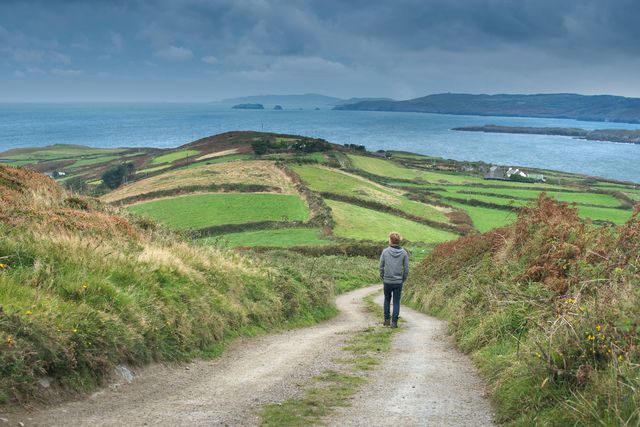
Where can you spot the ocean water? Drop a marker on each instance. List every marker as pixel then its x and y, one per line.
pixel 174 124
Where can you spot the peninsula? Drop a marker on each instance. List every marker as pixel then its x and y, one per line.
pixel 601 108
pixel 629 136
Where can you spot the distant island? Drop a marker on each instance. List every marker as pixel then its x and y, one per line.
pixel 248 107
pixel 277 107
pixel 611 135
pixel 603 108
pixel 308 99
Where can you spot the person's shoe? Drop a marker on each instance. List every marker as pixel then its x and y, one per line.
pixel 394 323
pixel 386 322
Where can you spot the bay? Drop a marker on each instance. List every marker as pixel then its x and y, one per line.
pixel 166 125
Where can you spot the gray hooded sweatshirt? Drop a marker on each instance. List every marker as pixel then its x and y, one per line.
pixel 394 265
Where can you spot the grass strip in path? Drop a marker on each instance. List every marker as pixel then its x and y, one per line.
pixel 334 387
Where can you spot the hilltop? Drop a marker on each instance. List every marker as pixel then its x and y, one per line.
pixel 601 108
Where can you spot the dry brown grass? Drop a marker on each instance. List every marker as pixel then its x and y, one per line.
pixel 29 199
pixel 218 154
pixel 247 172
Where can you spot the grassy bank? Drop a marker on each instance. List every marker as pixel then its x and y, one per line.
pixel 83 289
pixel 549 309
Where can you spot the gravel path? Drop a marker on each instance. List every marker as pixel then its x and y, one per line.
pixel 425 381
pixel 229 390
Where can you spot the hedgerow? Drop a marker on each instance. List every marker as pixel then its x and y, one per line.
pixel 550 309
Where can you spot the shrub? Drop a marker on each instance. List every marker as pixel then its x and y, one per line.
pixel 549 306
pixel 118 175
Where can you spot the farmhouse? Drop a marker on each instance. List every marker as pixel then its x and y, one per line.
pixel 496 172
pixel 512 174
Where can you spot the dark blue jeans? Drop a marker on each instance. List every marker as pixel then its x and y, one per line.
pixel 392 291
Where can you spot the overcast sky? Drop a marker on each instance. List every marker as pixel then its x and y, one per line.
pixel 201 50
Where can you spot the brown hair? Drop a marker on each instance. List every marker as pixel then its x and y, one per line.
pixel 394 238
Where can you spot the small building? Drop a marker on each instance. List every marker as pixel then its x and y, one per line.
pixel 496 172
pixel 511 172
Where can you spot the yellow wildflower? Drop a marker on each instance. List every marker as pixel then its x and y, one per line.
pixel 28 312
pixel 85 286
pixel 10 340
pixel 598 328
pixel 75 330
pixel 591 338
pixel 3 266
pixel 620 358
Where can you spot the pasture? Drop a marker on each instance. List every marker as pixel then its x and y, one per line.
pixel 198 211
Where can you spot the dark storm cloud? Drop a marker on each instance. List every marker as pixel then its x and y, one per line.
pixel 202 49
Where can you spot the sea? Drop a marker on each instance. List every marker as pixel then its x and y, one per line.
pixel 168 125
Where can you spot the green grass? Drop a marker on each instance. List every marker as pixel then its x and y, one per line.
pixel 281 237
pixel 221 159
pixel 318 157
pixel 203 210
pixel 173 156
pixel 617 216
pixel 605 200
pixel 354 222
pixel 485 219
pixel 59 151
pixel 389 169
pixel 92 161
pixel 153 169
pixel 330 180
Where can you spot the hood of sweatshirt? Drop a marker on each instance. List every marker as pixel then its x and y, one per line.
pixel 395 251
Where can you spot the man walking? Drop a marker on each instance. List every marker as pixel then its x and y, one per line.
pixel 394 269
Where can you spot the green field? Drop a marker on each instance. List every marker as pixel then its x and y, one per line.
pixel 563 196
pixel 389 169
pixel 485 219
pixel 333 181
pixel 204 210
pixel 617 216
pixel 173 156
pixel 92 161
pixel 58 151
pixel 277 238
pixel 354 222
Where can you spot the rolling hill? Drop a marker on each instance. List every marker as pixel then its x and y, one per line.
pixel 601 108
pixel 326 196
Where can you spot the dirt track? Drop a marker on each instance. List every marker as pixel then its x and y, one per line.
pixel 225 391
pixel 423 381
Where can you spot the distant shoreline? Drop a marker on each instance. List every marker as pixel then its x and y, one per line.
pixel 608 135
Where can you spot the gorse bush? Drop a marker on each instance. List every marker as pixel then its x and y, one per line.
pixel 550 309
pixel 83 289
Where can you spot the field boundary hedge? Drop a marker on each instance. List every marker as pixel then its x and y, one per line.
pixel 394 211
pixel 213 188
pixel 320 212
pixel 216 230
